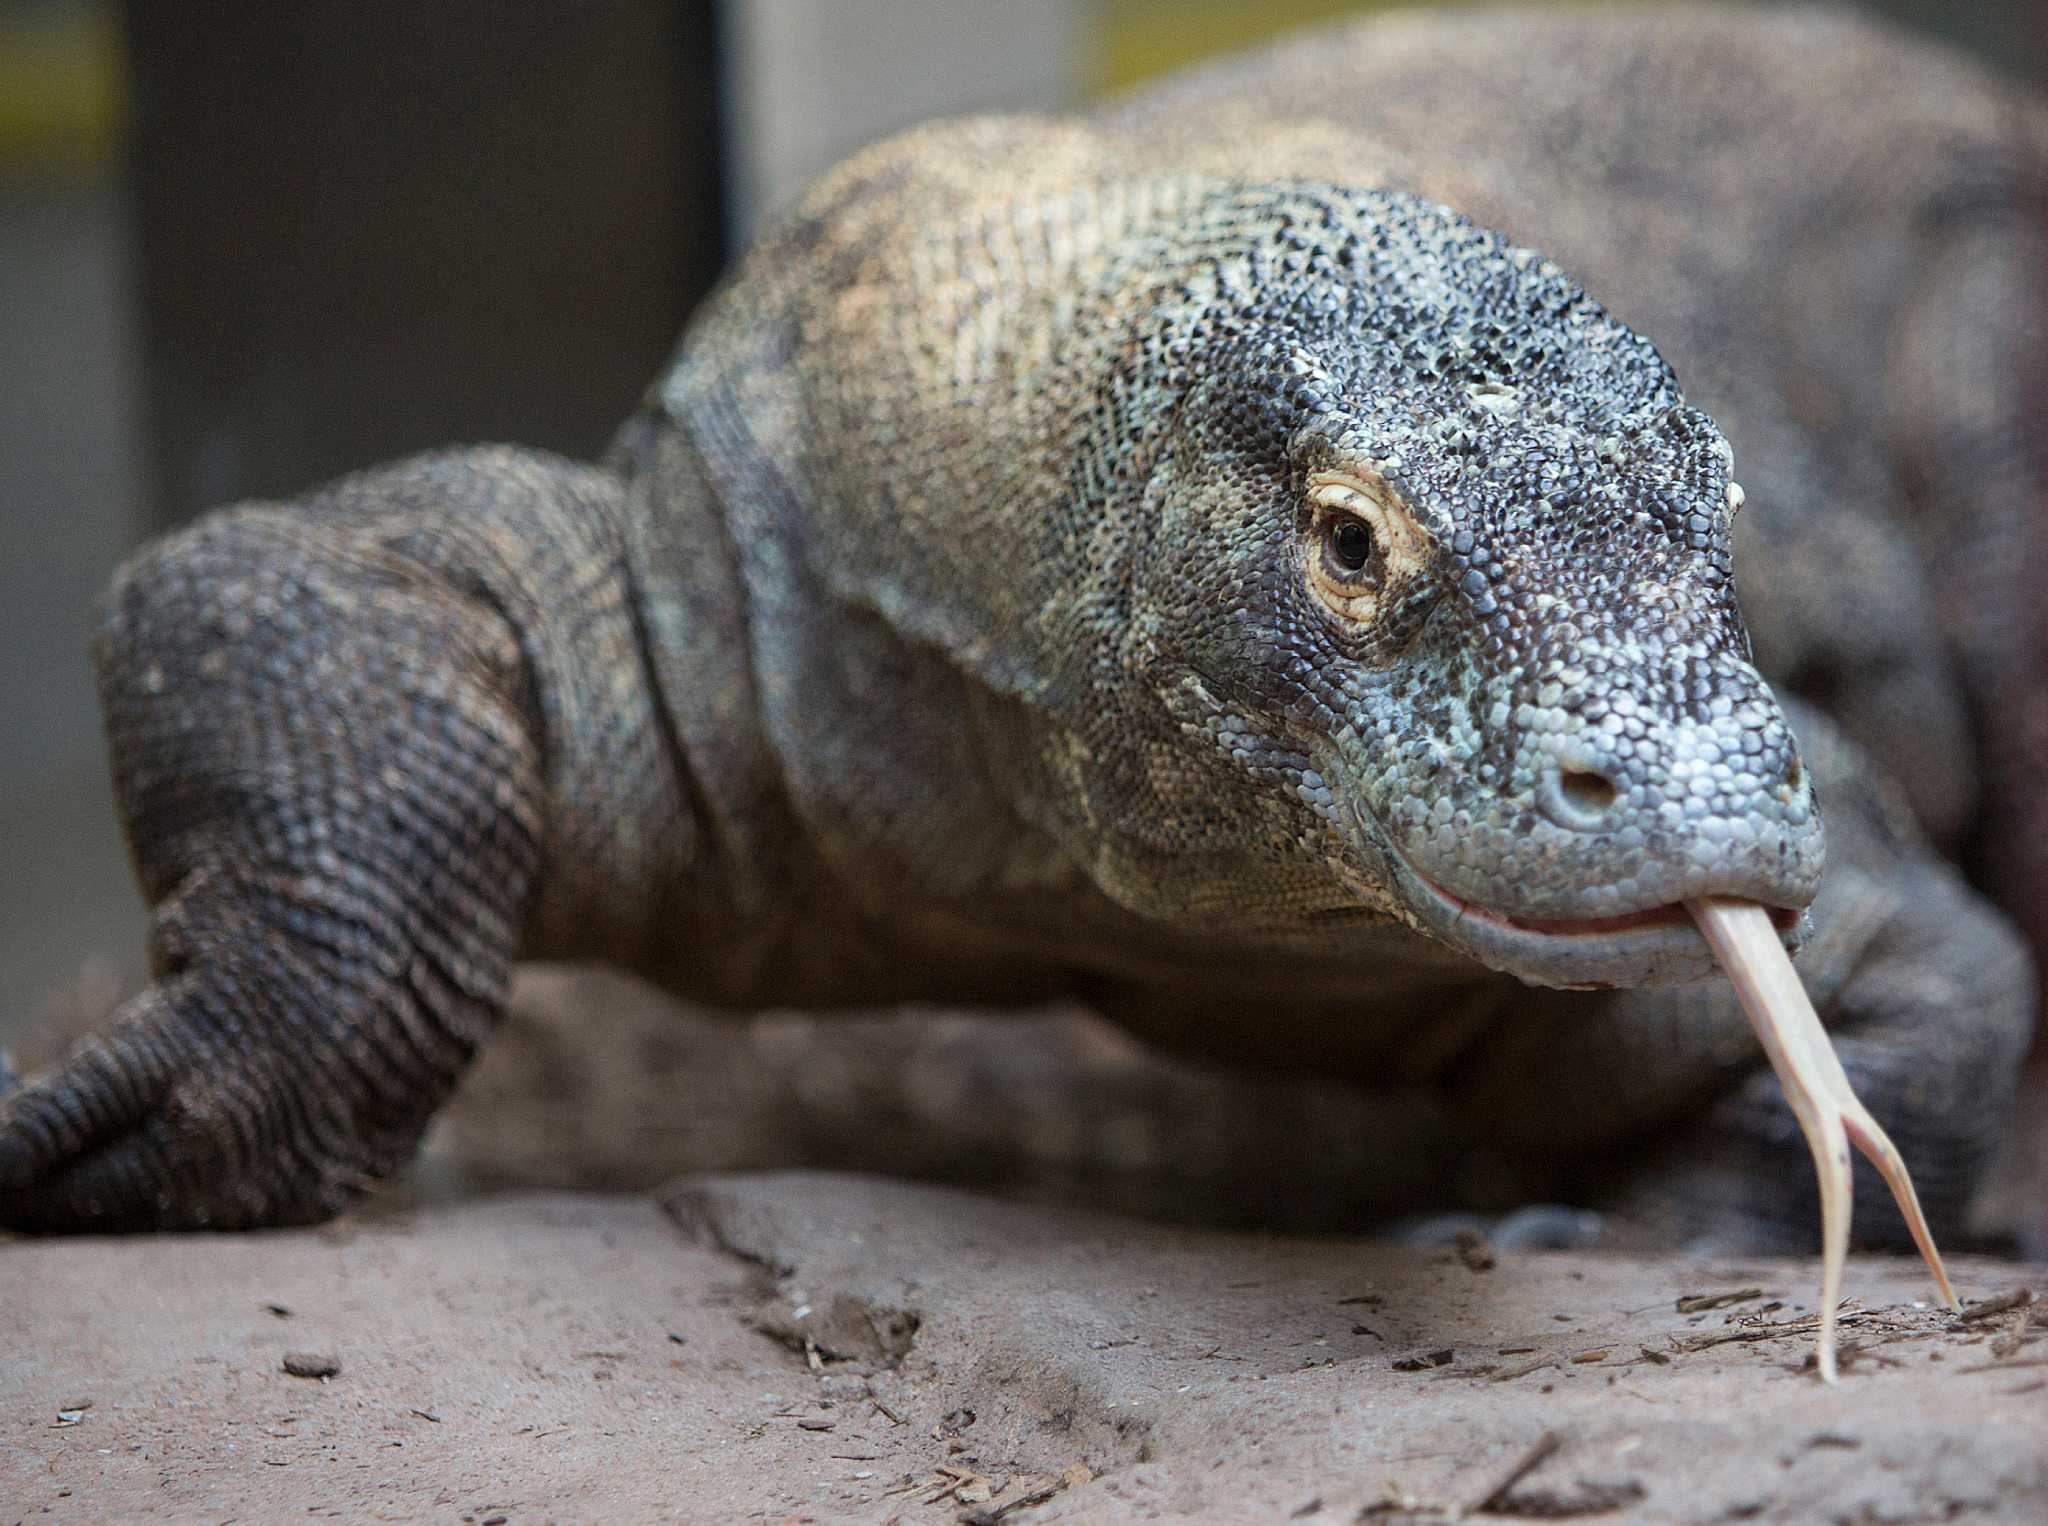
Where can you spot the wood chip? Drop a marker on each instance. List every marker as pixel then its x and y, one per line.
pixel 1423 1361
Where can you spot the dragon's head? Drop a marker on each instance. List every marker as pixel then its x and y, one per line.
pixel 1437 548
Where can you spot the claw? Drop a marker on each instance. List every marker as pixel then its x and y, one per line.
pixel 1743 939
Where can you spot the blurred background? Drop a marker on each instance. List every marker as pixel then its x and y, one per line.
pixel 244 246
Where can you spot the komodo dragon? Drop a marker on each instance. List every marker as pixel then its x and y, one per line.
pixel 1166 556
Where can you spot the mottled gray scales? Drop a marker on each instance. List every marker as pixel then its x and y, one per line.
pixel 1173 557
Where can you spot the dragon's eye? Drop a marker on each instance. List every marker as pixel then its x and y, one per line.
pixel 1350 544
pixel 1362 542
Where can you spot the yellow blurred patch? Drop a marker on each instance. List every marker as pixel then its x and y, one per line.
pixel 1140 38
pixel 63 93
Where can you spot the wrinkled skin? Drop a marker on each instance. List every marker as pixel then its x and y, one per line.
pixel 1121 557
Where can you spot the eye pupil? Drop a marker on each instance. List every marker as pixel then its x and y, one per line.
pixel 1351 544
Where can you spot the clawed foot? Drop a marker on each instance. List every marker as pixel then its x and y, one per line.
pixel 179 1117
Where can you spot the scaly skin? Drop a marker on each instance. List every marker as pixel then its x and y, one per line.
pixel 1125 556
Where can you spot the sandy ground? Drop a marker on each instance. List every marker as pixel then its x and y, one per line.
pixel 807 1347
pixel 593 1299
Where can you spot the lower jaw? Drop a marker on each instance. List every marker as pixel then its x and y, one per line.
pixel 1659 954
pixel 1655 946
pixel 1671 914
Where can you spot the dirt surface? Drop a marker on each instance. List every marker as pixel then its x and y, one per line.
pixel 813 1347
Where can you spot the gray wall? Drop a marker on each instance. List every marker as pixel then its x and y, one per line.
pixel 811 80
pixel 70 506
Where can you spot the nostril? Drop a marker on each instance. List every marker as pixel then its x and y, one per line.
pixel 1577 799
pixel 1587 792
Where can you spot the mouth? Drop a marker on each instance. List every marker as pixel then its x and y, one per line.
pixel 1651 945
pixel 1670 914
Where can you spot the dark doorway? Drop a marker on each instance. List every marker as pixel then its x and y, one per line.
pixel 366 228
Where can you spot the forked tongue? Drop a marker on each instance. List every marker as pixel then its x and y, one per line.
pixel 1743 939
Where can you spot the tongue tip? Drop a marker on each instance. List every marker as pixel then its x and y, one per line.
pixel 1815 1085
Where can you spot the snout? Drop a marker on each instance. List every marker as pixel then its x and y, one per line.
pixel 1563 854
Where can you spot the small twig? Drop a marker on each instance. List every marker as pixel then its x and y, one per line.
pixel 2009 1344
pixel 988 1515
pixel 1524 1370
pixel 1699 1303
pixel 1850 1353
pixel 1725 1337
pixel 1527 1463
pixel 1758 1332
pixel 2018 1298
pixel 2032 1361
